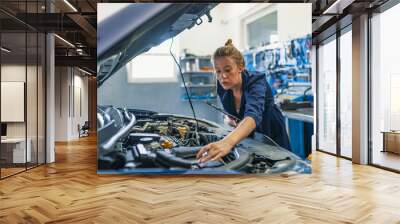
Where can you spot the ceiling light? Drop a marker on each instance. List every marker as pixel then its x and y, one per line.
pixel 5 50
pixel 65 41
pixel 70 5
pixel 86 72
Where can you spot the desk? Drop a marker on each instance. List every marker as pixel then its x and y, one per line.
pixel 13 150
pixel 391 141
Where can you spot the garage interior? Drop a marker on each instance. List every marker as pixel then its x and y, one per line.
pixel 350 121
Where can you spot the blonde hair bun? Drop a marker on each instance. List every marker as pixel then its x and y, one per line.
pixel 229 43
pixel 229 51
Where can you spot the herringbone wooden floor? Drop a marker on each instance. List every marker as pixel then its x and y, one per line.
pixel 70 191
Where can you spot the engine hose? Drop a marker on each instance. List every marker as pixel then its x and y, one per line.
pixel 185 152
pixel 240 162
pixel 107 146
pixel 280 169
pixel 174 161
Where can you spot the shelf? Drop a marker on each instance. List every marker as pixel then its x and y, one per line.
pixel 198 72
pixel 195 57
pixel 199 85
pixel 288 68
pixel 199 78
pixel 197 99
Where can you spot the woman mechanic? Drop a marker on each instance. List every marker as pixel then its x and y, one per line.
pixel 247 96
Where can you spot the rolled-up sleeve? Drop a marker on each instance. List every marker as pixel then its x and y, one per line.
pixel 255 98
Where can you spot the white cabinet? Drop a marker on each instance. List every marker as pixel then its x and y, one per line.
pixel 17 147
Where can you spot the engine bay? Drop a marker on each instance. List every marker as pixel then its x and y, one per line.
pixel 136 141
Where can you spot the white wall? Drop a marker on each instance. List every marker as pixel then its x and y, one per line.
pixel 294 20
pixel 61 103
pixel 81 83
pixel 68 82
pixel 12 73
pixel 209 36
pixel 33 126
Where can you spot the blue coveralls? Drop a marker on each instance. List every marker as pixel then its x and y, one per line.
pixel 257 102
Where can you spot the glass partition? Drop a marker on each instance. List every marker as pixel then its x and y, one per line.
pixel 31 100
pixel 22 90
pixel 33 64
pixel 41 109
pixel 14 151
pixel 327 96
pixel 346 94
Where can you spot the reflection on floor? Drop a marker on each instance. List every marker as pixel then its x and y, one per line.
pixel 10 169
pixel 387 159
pixel 346 152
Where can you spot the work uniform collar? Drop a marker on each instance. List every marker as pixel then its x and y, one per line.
pixel 243 98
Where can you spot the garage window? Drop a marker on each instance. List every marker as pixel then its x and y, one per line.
pixel 156 65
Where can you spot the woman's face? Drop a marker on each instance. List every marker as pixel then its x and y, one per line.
pixel 228 72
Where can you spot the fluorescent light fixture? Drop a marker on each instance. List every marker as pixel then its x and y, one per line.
pixel 70 5
pixel 86 72
pixel 65 41
pixel 337 7
pixel 5 50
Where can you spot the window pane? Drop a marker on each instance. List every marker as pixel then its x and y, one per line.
pixel 155 67
pixel 327 97
pixel 261 30
pixel 346 94
pixel 385 88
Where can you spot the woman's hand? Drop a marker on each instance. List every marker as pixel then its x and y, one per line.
pixel 218 149
pixel 214 151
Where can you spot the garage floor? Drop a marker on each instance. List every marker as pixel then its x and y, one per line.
pixel 70 191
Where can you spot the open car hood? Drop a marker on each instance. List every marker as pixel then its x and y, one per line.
pixel 138 27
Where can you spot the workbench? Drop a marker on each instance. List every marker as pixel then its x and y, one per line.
pixel 300 127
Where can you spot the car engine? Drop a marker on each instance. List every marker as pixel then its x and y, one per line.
pixel 139 141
